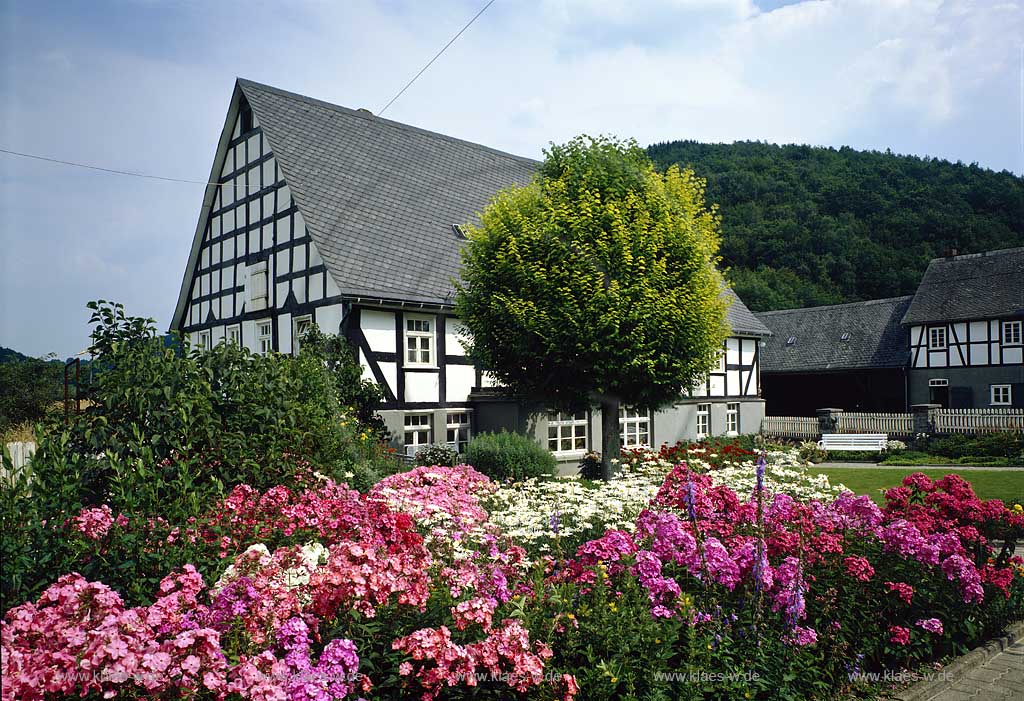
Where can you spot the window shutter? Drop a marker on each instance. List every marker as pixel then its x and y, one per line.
pixel 259 284
pixel 1017 389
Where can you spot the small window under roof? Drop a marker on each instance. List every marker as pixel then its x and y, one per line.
pixel 246 118
pixel 459 232
pixel 845 336
pixel 791 341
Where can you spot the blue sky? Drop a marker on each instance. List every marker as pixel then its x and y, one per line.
pixel 144 86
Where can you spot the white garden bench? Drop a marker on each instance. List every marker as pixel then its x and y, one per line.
pixel 853 441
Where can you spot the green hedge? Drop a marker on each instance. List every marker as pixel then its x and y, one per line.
pixel 509 456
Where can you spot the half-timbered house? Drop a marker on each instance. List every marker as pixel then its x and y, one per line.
pixel 956 342
pixel 332 216
pixel 966 340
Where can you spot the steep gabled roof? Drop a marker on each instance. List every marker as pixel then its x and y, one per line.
pixel 380 198
pixel 741 319
pixel 976 286
pixel 811 340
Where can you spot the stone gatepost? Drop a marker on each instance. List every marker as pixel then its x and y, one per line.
pixel 828 420
pixel 924 418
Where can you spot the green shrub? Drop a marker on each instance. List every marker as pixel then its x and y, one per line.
pixel 509 456
pixel 747 441
pixel 170 430
pixel 810 450
pixel 997 445
pixel 437 455
pixel 29 390
pixel 590 466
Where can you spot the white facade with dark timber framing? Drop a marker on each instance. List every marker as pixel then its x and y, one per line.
pixel 966 337
pixel 330 216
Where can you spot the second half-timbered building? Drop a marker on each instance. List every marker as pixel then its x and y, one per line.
pixel 966 337
pixel 325 215
pixel 956 342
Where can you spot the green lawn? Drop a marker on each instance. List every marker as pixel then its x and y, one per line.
pixel 988 484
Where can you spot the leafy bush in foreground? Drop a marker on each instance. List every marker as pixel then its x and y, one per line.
pixel 167 432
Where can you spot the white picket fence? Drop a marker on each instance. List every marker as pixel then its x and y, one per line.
pixel 20 453
pixel 979 420
pixel 898 424
pixel 790 427
pixel 891 423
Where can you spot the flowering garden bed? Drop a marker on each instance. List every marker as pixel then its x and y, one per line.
pixel 709 578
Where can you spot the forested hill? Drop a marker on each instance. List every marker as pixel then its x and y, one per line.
pixel 804 226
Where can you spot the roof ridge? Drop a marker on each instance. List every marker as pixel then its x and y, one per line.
pixel 371 117
pixel 983 254
pixel 862 303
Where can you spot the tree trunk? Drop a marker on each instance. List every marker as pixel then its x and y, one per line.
pixel 611 444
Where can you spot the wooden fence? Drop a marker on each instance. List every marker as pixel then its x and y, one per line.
pixel 898 425
pixel 979 420
pixel 893 424
pixel 790 427
pixel 19 453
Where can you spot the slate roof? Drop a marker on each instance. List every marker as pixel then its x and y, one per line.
pixel 379 197
pixel 876 338
pixel 976 286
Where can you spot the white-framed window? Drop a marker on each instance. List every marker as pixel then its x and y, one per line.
pixel 938 391
pixel 204 340
pixel 720 367
pixel 264 336
pixel 703 420
pixel 233 334
pixel 418 432
pixel 419 340
pixel 1002 395
pixel 567 433
pixel 634 428
pixel 1012 333
pixel 258 286
pixel 937 337
pixel 732 418
pixel 300 327
pixel 457 428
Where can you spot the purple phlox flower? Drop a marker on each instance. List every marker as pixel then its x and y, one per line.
pixel 761 570
pixel 932 625
pixel 691 501
pixel 555 521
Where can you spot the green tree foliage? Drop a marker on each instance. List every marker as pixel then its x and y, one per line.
pixel 29 387
pixel 360 395
pixel 804 226
pixel 595 284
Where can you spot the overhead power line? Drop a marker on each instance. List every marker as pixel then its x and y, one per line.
pixel 164 178
pixel 431 61
pixel 116 171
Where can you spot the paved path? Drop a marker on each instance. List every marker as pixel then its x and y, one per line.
pixel 1002 677
pixel 992 671
pixel 952 468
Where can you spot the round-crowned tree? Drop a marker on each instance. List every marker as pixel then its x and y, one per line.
pixel 596 284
